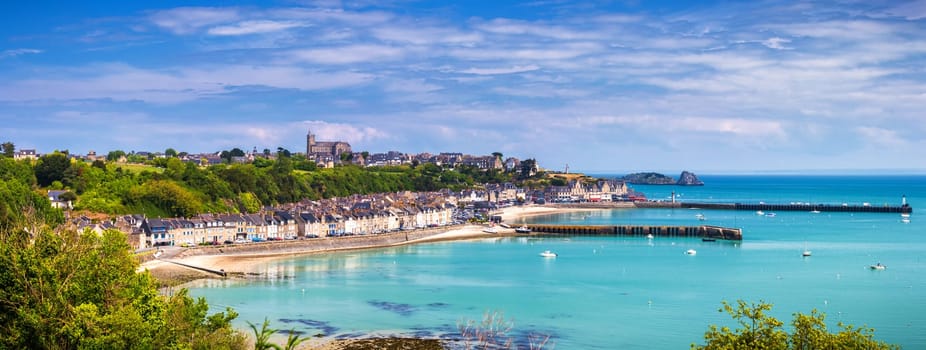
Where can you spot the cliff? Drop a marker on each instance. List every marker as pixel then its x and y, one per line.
pixel 689 179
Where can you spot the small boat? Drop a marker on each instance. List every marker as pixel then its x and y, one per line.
pixel 877 266
pixel 770 215
pixel 691 252
pixel 759 212
pixel 904 215
pixel 905 220
pixel 708 240
pixel 548 254
pixel 701 217
pixel 649 236
pixel 490 230
pixel 815 211
pixel 523 229
pixel 806 253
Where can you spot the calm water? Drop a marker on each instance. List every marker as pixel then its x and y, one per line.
pixel 621 292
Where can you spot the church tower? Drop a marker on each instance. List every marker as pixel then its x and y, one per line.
pixel 310 142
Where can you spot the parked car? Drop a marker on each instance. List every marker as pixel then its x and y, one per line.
pixel 241 240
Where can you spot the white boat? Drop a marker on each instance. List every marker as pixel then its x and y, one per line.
pixel 770 215
pixel 548 254
pixel 490 230
pixel 759 212
pixel 649 236
pixel 905 220
pixel 701 217
pixel 877 266
pixel 815 211
pixel 691 252
pixel 523 229
pixel 904 215
pixel 806 253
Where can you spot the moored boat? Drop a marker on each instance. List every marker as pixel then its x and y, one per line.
pixel 691 252
pixel 490 230
pixel 877 266
pixel 523 229
pixel 548 254
pixel 806 253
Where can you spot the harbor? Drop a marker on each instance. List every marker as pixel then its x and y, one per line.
pixel 703 231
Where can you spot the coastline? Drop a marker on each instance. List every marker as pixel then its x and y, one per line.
pixel 241 263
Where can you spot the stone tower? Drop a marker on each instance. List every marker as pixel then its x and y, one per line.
pixel 310 142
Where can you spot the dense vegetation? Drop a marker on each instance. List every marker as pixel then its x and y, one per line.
pixel 60 289
pixel 761 331
pixel 649 179
pixel 169 187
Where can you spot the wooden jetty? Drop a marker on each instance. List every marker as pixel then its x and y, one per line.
pixel 906 208
pixel 703 231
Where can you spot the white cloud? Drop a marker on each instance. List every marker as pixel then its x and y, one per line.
pixel 537 52
pixel 521 28
pixel 426 35
pixel 913 10
pixel 126 83
pixel 254 27
pixel 18 52
pixel 326 131
pixel 497 71
pixel 350 54
pixel 776 43
pixel 411 86
pixel 880 136
pixel 187 20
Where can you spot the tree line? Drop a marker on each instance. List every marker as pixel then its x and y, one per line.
pixel 169 187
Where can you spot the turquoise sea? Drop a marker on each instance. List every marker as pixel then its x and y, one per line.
pixel 624 292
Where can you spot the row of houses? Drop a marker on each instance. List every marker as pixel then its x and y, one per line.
pixel 599 191
pixel 360 215
pixel 353 215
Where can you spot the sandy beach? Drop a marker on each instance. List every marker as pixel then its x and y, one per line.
pixel 243 263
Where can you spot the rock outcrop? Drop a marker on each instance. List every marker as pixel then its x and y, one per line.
pixel 648 179
pixel 689 179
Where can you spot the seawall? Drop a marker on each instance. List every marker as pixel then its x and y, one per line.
pixel 703 231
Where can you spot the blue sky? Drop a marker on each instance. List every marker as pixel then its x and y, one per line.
pixel 601 86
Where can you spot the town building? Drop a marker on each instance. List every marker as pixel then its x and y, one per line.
pixel 325 152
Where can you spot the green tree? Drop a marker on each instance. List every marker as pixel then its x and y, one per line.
pixel 170 153
pixel 51 168
pixel 757 330
pixel 347 157
pixel 114 156
pixel 248 202
pixel 167 197
pixel 67 290
pixel 9 149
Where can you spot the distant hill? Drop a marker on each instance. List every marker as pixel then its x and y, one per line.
pixel 650 178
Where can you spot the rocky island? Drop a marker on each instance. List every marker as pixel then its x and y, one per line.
pixel 651 178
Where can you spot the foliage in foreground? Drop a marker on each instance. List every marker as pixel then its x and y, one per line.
pixel 66 290
pixel 761 331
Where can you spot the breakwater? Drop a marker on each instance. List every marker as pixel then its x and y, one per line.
pixel 703 231
pixel 781 207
